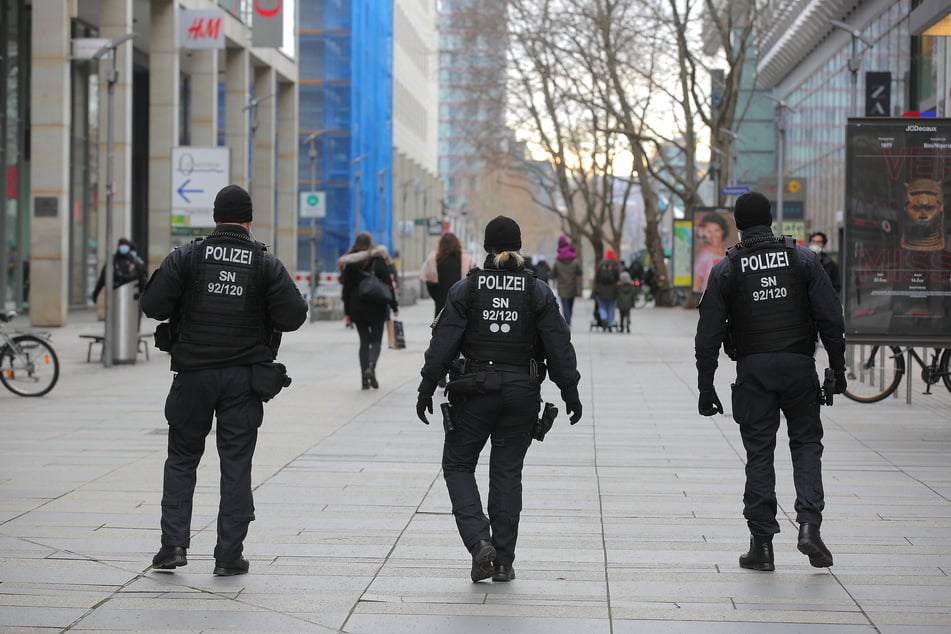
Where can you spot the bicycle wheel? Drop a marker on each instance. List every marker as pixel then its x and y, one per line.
pixel 29 367
pixel 873 372
pixel 944 367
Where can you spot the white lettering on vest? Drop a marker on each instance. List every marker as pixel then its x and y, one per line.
pixel 764 261
pixel 228 254
pixel 501 282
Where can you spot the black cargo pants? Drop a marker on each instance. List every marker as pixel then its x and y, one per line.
pixel 506 417
pixel 195 397
pixel 765 385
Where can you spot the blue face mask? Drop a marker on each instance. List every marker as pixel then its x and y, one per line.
pixel 124 249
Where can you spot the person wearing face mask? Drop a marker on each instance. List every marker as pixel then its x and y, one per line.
pixel 127 267
pixel 773 297
pixel 817 244
pixel 227 301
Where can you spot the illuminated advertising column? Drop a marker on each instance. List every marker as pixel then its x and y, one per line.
pixel 898 248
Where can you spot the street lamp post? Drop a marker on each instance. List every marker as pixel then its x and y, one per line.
pixel 356 192
pixel 312 154
pixel 855 61
pixel 251 107
pixel 782 107
pixel 112 76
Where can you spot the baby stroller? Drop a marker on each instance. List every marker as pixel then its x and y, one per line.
pixel 597 322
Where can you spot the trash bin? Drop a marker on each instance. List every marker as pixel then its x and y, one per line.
pixel 125 324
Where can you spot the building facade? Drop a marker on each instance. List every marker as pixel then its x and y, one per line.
pixel 151 93
pixel 807 63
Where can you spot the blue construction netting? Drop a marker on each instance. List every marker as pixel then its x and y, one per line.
pixel 345 93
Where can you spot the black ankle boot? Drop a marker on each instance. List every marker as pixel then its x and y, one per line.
pixel 372 376
pixel 365 378
pixel 760 555
pixel 811 544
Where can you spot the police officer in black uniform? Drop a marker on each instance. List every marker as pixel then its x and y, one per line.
pixel 505 325
pixel 773 296
pixel 226 299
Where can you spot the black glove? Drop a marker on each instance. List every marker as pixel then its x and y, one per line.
pixel 424 404
pixel 573 408
pixel 709 403
pixel 840 382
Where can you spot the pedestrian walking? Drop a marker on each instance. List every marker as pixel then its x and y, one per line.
pixel 817 244
pixel 626 296
pixel 770 296
pixel 127 267
pixel 445 266
pixel 506 326
pixel 227 301
pixel 605 291
pixel 366 306
pixel 567 275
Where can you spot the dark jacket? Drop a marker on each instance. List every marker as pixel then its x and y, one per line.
pixel 358 309
pixel 553 334
pixel 626 295
pixel 284 308
pixel 126 268
pixel 832 269
pixel 714 310
pixel 606 279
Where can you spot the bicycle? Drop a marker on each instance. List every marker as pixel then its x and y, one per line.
pixel 874 371
pixel 28 363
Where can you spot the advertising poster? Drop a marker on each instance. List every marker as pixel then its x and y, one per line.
pixel 897 242
pixel 714 231
pixel 682 253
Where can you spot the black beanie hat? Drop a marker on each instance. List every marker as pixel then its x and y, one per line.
pixel 752 209
pixel 233 204
pixel 502 234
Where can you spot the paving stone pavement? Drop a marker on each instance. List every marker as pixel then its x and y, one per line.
pixel 632 519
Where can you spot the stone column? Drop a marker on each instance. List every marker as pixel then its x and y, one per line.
pixel 204 98
pixel 263 159
pixel 288 146
pixel 115 20
pixel 164 125
pixel 237 129
pixel 50 118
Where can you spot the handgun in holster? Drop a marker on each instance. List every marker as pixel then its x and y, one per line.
pixel 545 421
pixel 827 389
pixel 447 423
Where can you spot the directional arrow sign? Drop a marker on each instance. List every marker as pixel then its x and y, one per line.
pixel 734 190
pixel 183 192
pixel 198 174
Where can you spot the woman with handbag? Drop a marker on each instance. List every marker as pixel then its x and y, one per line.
pixel 368 295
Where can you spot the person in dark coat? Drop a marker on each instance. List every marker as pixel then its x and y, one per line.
pixel 227 301
pixel 505 324
pixel 772 298
pixel 366 315
pixel 605 290
pixel 567 275
pixel 127 267
pixel 445 266
pixel 817 244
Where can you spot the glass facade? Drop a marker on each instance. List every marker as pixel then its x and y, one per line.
pixel 815 136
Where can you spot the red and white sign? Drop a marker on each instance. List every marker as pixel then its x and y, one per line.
pixel 201 28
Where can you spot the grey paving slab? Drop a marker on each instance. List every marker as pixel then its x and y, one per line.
pixel 631 521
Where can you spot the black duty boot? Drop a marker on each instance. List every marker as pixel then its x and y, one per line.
pixel 811 544
pixel 482 555
pixel 760 555
pixel 169 557
pixel 237 566
pixel 365 377
pixel 503 573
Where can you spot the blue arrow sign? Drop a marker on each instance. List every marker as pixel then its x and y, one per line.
pixel 182 191
pixel 734 190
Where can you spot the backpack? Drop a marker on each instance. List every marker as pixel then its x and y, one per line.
pixel 606 275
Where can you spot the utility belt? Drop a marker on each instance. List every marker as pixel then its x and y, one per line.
pixel 471 377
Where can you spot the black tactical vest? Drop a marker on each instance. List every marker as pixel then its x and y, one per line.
pixel 224 299
pixel 769 305
pixel 501 320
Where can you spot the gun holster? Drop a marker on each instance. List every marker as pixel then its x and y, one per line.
pixel 163 337
pixel 447 423
pixel 268 379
